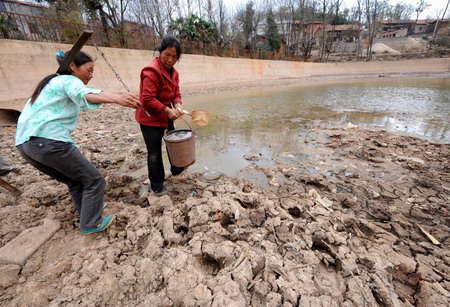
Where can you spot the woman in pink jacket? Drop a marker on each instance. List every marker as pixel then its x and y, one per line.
pixel 160 97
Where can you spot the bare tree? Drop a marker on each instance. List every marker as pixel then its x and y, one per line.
pixel 210 8
pixel 222 24
pixel 216 13
pixel 324 4
pixel 335 6
pixel 200 5
pixel 437 22
pixel 285 15
pixel 358 18
pixel 187 5
pixel 306 19
pixel 116 10
pixel 247 17
pixel 372 8
pixel 421 6
pixel 155 13
pixel 400 11
pixel 112 15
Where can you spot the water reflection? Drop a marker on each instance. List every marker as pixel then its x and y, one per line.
pixel 272 121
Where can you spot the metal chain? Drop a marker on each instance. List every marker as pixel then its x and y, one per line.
pixel 112 68
pixel 117 75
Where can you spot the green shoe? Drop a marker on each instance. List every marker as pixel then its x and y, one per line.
pixel 105 223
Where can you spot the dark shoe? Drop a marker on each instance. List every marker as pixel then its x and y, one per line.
pixel 183 175
pixel 5 169
pixel 177 170
pixel 105 223
pixel 160 192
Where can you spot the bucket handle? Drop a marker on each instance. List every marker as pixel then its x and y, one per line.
pixel 187 123
pixel 182 117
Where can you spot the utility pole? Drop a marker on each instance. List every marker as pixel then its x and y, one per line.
pixel 436 27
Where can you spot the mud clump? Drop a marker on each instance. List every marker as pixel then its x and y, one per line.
pixel 351 233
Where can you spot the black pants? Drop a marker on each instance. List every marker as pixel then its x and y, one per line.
pixel 153 140
pixel 64 162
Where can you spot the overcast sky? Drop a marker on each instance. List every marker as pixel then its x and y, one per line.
pixel 436 9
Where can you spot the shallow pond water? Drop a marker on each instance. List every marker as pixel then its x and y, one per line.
pixel 274 121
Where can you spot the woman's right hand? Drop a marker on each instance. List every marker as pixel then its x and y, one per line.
pixel 172 113
pixel 129 100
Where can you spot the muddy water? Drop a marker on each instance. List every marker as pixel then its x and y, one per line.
pixel 275 123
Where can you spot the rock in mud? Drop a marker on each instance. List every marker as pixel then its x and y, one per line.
pixel 337 229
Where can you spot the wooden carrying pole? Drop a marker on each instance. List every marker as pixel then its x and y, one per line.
pixel 70 56
pixel 9 187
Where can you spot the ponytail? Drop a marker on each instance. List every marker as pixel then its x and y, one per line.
pixel 41 86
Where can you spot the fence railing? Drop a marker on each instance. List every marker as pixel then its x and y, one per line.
pixel 43 29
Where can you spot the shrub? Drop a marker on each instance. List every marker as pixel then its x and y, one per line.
pixel 443 40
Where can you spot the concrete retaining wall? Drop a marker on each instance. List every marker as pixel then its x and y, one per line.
pixel 23 64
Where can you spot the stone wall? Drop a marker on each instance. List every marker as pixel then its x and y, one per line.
pixel 23 64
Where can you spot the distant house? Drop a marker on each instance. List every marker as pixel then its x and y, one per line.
pixel 142 30
pixel 18 24
pixel 31 21
pixel 386 26
pixel 22 7
pixel 137 34
pixel 132 26
pixel 308 29
pixel 390 34
pixel 313 31
pixel 129 26
pixel 441 24
pixel 420 27
pixel 402 28
pixel 337 33
pixel 347 33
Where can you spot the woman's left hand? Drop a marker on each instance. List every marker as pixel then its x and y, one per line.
pixel 179 109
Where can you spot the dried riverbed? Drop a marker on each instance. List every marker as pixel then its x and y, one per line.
pixel 344 227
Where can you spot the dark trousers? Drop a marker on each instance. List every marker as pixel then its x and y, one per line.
pixel 153 140
pixel 64 162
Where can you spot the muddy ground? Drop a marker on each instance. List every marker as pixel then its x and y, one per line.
pixel 343 228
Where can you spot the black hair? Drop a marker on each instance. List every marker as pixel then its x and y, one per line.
pixel 80 59
pixel 170 41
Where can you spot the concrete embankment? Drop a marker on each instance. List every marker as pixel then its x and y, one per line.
pixel 23 64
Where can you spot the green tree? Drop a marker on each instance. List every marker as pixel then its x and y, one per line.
pixel 248 26
pixel 68 10
pixel 273 38
pixel 7 25
pixel 112 17
pixel 193 29
pixel 338 19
